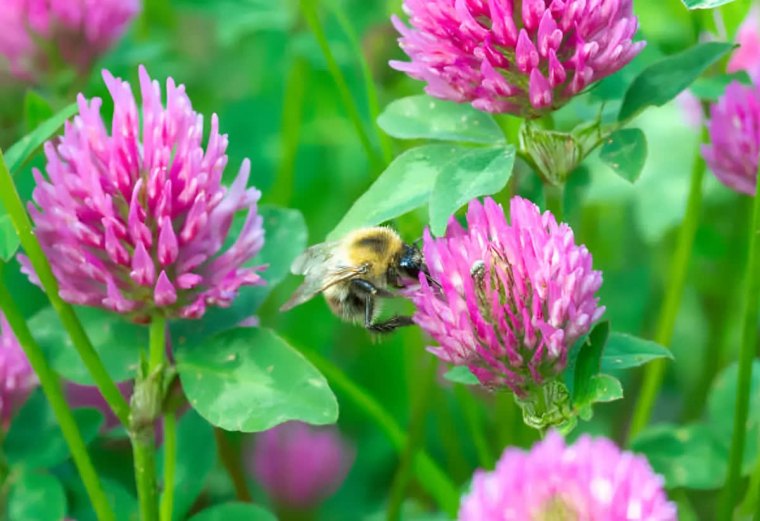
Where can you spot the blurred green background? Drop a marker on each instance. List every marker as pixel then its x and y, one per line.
pixel 257 64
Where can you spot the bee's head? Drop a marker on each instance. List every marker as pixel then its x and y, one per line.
pixel 412 263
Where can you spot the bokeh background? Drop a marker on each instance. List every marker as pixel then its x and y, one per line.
pixel 258 65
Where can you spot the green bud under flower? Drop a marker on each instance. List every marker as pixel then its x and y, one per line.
pixel 556 154
pixel 548 406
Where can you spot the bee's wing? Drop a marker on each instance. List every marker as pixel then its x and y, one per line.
pixel 315 258
pixel 318 281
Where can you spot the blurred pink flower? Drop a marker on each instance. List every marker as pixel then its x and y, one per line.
pixel 524 58
pixel 691 108
pixel 135 221
pixel 591 480
pixel 34 34
pixel 17 379
pixel 747 56
pixel 89 396
pixel 513 298
pixel 299 465
pixel 734 147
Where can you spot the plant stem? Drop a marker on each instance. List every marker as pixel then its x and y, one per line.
pixel 508 419
pixel 475 425
pixel 170 465
pixel 145 476
pixel 655 371
pixel 157 344
pixel 413 440
pixel 430 476
pixel 751 503
pixel 554 198
pixel 310 14
pixel 373 106
pixel 723 322
pixel 51 386
pixel 10 199
pixel 5 471
pixel 712 359
pixel 231 462
pixel 510 126
pixel 746 355
pixel 146 409
pixel 290 130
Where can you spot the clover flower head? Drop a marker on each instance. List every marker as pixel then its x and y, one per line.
pixel 590 480
pixel 734 147
pixel 747 56
pixel 508 300
pixel 299 465
pixel 524 58
pixel 36 34
pixel 135 218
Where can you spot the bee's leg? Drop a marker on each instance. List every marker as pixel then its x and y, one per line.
pixel 365 287
pixel 391 324
pixel 370 292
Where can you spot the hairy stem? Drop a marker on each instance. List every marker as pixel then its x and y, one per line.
pixel 146 409
pixel 170 465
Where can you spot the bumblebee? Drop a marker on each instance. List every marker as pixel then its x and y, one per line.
pixel 354 272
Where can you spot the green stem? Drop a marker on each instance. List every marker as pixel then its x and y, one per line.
pixel 157 344
pixel 685 508
pixel 508 419
pixel 475 425
pixel 145 475
pixel 751 502
pixel 369 83
pixel 723 322
pixel 746 355
pixel 4 470
pixel 712 359
pixel 510 127
pixel 430 476
pixel 232 464
pixel 554 198
pixel 51 386
pixel 654 371
pixel 146 408
pixel 452 439
pixel 310 14
pixel 295 86
pixel 170 465
pixel 10 199
pixel 413 440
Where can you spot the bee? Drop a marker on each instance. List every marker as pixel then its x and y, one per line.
pixel 354 272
